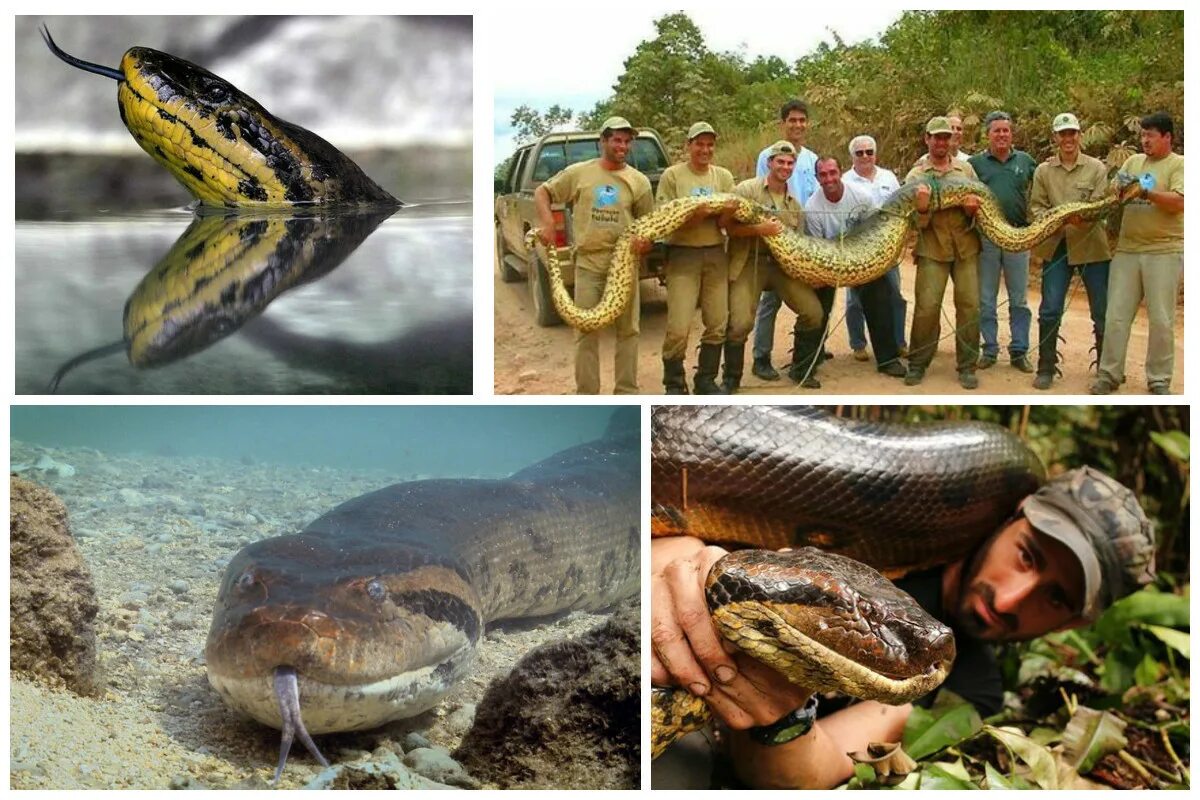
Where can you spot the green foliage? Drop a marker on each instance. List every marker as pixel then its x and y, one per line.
pixel 532 124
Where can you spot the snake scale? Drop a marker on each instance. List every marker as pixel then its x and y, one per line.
pixel 898 497
pixel 222 145
pixel 865 253
pixel 375 610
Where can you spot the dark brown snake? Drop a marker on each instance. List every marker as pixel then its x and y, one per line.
pixel 899 497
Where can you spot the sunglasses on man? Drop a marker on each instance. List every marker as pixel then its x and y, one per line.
pixel 864 153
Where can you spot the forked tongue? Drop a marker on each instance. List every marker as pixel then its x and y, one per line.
pixel 287 692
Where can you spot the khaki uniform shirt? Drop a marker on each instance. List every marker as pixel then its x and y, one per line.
pixel 1146 228
pixel 1053 185
pixel 791 215
pixel 950 234
pixel 603 203
pixel 678 181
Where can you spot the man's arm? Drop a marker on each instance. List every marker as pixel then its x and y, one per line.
pixel 541 201
pixel 818 759
pixel 1167 200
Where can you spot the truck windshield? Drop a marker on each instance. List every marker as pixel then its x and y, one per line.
pixel 555 156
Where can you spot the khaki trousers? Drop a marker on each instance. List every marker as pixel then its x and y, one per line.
pixel 755 277
pixel 695 274
pixel 589 286
pixel 1132 276
pixel 927 313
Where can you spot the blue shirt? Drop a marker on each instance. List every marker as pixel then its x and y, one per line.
pixel 803 182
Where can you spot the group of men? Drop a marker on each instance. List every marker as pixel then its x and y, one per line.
pixel 721 265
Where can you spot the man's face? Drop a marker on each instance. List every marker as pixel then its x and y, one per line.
pixel 616 146
pixel 795 127
pixel 1000 136
pixel 864 156
pixel 829 175
pixel 1067 141
pixel 782 166
pixel 938 144
pixel 955 131
pixel 1020 585
pixel 1154 143
pixel 701 148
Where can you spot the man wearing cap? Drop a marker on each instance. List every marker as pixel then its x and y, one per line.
pixel 697 267
pixel 956 135
pixel 793 120
pixel 752 269
pixel 1069 176
pixel 1008 173
pixel 947 247
pixel 605 195
pixel 1148 262
pixel 1071 550
pixel 880 183
pixel 828 214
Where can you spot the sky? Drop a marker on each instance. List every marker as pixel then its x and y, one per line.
pixel 540 76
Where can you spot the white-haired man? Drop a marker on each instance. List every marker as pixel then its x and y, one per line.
pixel 880 183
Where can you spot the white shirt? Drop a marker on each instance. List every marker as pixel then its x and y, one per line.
pixel 829 220
pixel 881 188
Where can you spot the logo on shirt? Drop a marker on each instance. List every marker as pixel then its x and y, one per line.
pixel 702 191
pixel 606 195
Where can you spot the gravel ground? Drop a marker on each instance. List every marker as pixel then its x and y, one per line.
pixel 157 531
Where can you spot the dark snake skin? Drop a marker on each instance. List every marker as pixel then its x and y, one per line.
pixel 896 496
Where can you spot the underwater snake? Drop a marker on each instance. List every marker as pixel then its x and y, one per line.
pixel 863 254
pixel 375 610
pixel 898 497
pixel 223 146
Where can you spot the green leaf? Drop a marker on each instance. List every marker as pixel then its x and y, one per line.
pixel 950 721
pixel 1179 640
pixel 1146 606
pixel 994 779
pixel 943 776
pixel 1176 444
pixel 1045 736
pixel 1090 736
pixel 1147 671
pixel 1038 758
pixel 1118 671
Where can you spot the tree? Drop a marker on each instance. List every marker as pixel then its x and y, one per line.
pixel 532 124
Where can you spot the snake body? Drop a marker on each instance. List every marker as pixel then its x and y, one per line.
pixel 862 255
pixel 222 145
pixel 374 611
pixel 899 497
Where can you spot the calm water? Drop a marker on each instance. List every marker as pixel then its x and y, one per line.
pixel 363 309
pixel 432 440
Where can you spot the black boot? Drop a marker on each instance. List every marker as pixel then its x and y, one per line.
pixel 735 361
pixel 806 349
pixel 1047 366
pixel 674 378
pixel 707 364
pixel 1099 336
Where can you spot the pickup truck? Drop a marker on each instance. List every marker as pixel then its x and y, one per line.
pixel 515 213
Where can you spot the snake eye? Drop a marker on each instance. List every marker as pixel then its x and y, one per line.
pixel 376 591
pixel 245 580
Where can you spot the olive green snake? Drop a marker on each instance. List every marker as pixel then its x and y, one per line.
pixel 865 253
pixel 221 144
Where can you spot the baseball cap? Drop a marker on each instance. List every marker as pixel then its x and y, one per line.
pixel 1102 523
pixel 699 128
pixel 1066 122
pixel 938 125
pixel 617 124
pixel 782 146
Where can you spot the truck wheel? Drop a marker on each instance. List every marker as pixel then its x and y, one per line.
pixel 507 273
pixel 544 312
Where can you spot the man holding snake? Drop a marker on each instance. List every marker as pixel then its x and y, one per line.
pixel 1073 548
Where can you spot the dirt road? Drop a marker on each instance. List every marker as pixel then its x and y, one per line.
pixel 533 360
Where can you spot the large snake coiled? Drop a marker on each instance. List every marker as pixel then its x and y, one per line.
pixel 863 254
pixel 375 610
pixel 898 497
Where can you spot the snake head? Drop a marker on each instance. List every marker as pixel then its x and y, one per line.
pixel 1132 187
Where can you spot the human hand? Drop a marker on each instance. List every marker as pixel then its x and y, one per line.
pixel 545 236
pixel 970 205
pixel 770 227
pixel 922 198
pixel 640 244
pixel 1075 219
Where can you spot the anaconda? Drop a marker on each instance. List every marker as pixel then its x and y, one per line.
pixel 374 611
pixel 222 145
pixel 898 497
pixel 863 254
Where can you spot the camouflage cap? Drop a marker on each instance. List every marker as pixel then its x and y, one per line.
pixel 783 146
pixel 617 124
pixel 1103 524
pixel 938 125
pixel 700 128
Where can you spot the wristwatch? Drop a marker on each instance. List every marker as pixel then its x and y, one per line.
pixel 790 726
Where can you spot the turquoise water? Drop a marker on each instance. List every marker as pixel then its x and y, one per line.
pixel 430 440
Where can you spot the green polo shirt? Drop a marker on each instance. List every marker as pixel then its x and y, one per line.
pixel 1009 180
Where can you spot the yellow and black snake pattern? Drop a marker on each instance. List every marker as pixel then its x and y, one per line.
pixel 223 146
pixel 865 253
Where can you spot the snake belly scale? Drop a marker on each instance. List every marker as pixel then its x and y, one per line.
pixel 377 608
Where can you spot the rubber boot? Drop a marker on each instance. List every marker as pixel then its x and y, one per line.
pixel 806 349
pixel 707 364
pixel 735 362
pixel 674 378
pixel 1047 366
